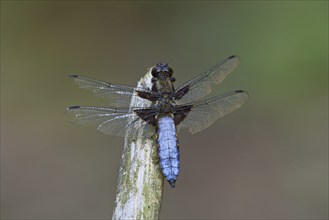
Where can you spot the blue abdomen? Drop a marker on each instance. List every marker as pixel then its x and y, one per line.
pixel 168 150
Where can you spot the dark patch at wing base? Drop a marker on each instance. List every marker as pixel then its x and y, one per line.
pixel 180 113
pixel 148 95
pixel 147 115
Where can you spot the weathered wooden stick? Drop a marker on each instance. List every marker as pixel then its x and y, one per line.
pixel 140 183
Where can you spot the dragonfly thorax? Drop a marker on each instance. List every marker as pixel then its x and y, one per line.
pixel 165 106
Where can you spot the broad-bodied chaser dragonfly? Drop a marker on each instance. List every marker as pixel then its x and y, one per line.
pixel 172 108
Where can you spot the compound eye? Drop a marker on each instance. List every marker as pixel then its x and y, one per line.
pixel 155 72
pixel 170 71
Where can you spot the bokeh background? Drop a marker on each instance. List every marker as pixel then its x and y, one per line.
pixel 267 160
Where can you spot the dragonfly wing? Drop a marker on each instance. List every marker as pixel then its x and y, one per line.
pixel 206 112
pixel 119 95
pixel 200 86
pixel 112 121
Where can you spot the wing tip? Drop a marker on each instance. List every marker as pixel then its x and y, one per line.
pixel 73 75
pixel 234 57
pixel 73 107
pixel 239 91
pixel 242 91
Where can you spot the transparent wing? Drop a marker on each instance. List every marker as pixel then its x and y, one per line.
pixel 119 95
pixel 113 121
pixel 206 112
pixel 200 86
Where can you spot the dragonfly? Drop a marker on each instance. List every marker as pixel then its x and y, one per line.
pixel 171 109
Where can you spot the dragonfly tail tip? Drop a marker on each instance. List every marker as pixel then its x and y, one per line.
pixel 172 183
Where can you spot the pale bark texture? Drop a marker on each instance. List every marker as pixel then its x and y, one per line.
pixel 140 181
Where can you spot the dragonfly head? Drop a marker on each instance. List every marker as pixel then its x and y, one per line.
pixel 162 71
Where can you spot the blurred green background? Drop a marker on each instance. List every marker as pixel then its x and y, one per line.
pixel 267 160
